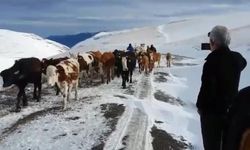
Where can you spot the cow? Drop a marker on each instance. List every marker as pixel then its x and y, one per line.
pixel 66 76
pixel 52 61
pixel 144 63
pixel 157 58
pixel 108 61
pixel 151 61
pixel 118 62
pixel 85 61
pixel 24 71
pixel 97 66
pixel 169 59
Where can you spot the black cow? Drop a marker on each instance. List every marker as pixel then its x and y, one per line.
pixel 24 71
pixel 118 62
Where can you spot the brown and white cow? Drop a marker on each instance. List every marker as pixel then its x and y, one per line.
pixel 66 76
pixel 97 66
pixel 47 62
pixel 85 61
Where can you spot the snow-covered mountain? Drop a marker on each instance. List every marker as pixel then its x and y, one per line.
pixel 188 32
pixel 16 45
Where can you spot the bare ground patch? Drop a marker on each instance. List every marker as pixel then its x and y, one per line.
pixel 165 141
pixel 184 64
pixel 161 96
pixel 112 112
pixel 161 76
pixel 120 96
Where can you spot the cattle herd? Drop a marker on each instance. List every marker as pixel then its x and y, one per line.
pixel 68 73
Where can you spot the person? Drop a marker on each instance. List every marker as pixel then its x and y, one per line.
pixel 130 48
pixel 148 50
pixel 153 48
pixel 220 81
pixel 238 125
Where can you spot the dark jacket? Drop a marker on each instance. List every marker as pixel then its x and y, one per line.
pixel 241 104
pixel 238 120
pixel 130 48
pixel 220 80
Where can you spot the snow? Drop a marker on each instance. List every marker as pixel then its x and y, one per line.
pixel 16 45
pixel 182 38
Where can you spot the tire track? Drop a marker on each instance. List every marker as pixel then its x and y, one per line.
pixel 134 124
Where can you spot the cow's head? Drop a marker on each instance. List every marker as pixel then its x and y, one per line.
pixel 52 75
pixel 10 77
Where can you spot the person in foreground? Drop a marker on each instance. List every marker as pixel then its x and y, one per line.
pixel 220 81
pixel 238 130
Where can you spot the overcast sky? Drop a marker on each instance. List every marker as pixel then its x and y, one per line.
pixel 50 17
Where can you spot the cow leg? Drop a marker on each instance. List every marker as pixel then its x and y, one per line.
pixel 34 92
pixel 57 89
pixel 123 80
pixel 69 92
pixel 108 74
pixel 39 87
pixel 112 73
pixel 130 75
pixel 25 102
pixel 65 95
pixel 80 78
pixel 127 76
pixel 19 95
pixel 39 91
pixel 76 90
pixel 100 66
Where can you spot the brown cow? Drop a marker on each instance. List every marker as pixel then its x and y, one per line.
pixel 157 58
pixel 151 61
pixel 108 61
pixel 66 76
pixel 143 61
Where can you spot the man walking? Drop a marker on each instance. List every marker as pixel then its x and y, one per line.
pixel 220 81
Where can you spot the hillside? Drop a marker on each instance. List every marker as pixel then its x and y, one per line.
pixel 16 45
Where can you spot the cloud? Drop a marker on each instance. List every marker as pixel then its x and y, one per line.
pixel 43 16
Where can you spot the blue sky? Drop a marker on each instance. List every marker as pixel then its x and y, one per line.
pixel 50 17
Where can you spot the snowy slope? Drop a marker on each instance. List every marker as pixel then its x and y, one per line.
pixel 16 45
pixel 164 37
